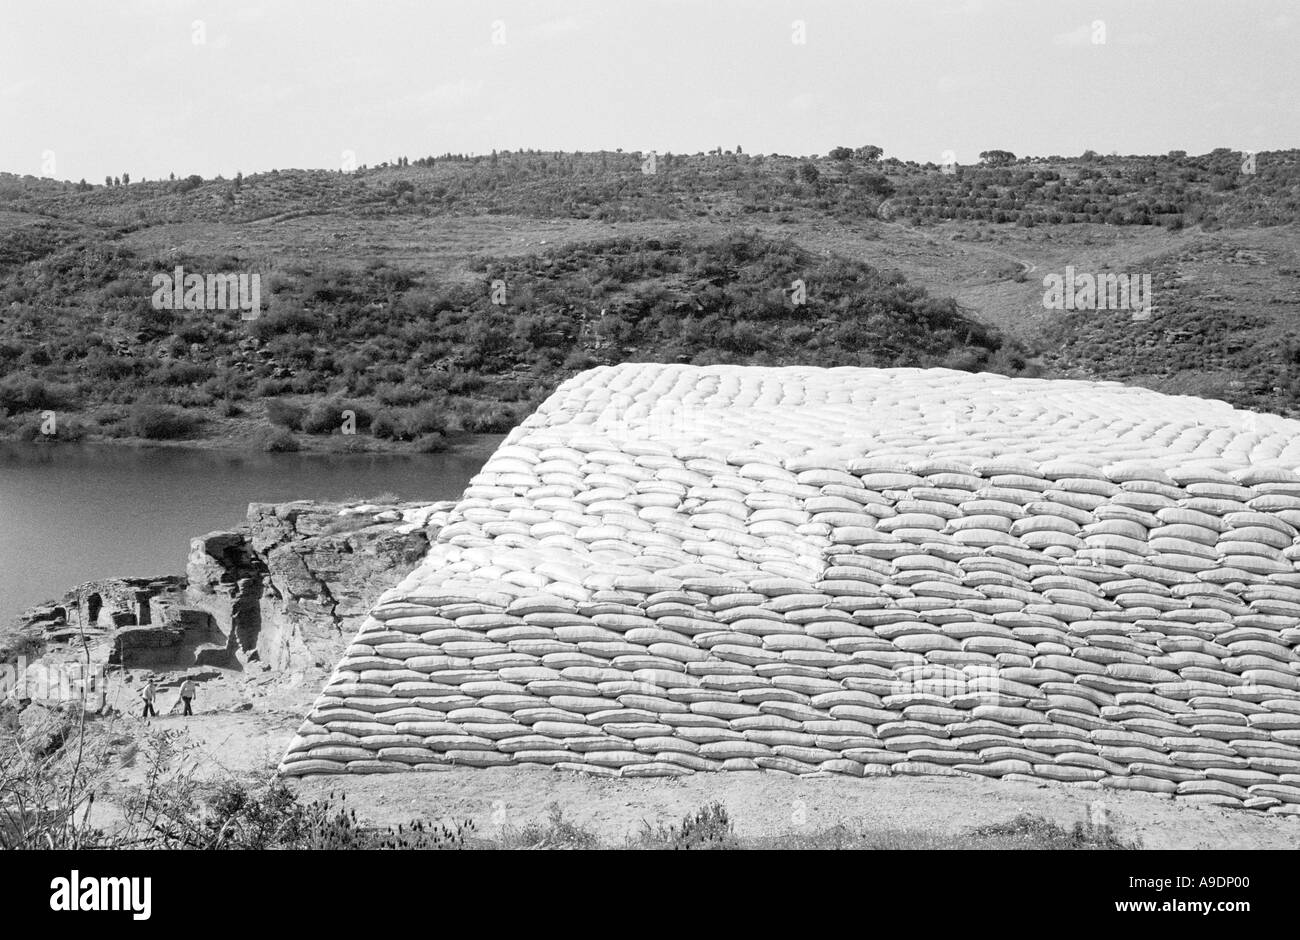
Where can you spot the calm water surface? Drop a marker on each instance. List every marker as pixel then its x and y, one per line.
pixel 73 513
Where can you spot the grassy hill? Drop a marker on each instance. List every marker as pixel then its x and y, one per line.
pixel 420 358
pixel 1226 325
pixel 377 284
pixel 1171 190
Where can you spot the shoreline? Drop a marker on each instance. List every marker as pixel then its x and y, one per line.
pixel 357 476
pixel 383 527
pixel 467 445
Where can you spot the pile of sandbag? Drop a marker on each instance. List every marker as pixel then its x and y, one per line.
pixel 668 569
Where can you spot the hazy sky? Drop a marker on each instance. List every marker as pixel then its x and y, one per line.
pixel 152 86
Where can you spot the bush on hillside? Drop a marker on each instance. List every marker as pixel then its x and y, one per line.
pixel 326 417
pixel 162 422
pixel 19 393
pixel 277 441
pixel 285 414
pixel 430 444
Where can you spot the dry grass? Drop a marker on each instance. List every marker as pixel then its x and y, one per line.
pixel 711 828
pixel 52 772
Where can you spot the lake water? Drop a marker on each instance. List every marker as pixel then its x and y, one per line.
pixel 74 513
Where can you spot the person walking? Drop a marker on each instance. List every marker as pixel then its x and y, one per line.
pixel 148 694
pixel 188 688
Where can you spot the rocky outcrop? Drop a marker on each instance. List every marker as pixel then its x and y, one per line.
pixel 292 586
pixel 93 612
pixel 182 638
pixel 225 582
pixel 287 590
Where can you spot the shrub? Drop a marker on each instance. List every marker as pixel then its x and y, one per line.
pixel 492 419
pixel 709 827
pixel 326 417
pixel 406 393
pixel 179 372
pixel 967 359
pixel 192 398
pixel 1035 832
pixel 386 425
pixel 25 393
pixel 285 414
pixel 1006 361
pixel 66 431
pixel 426 419
pixel 162 422
pixel 269 388
pixel 556 833
pixel 322 418
pixel 578 360
pixel 430 444
pixel 278 441
pixel 285 322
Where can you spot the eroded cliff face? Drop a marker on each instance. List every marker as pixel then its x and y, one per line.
pixel 285 591
pixel 292 586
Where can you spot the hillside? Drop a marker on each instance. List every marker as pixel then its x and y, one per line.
pixel 1224 325
pixel 377 284
pixel 1173 190
pixel 418 357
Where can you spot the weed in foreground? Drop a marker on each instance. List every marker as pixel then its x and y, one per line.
pixel 50 784
pixel 556 833
pixel 1024 832
pixel 1035 832
pixel 709 827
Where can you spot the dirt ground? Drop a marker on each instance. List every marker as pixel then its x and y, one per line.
pixel 764 804
pixel 244 723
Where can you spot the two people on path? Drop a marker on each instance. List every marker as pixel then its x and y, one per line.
pixel 150 692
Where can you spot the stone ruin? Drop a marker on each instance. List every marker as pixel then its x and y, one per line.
pixel 283 592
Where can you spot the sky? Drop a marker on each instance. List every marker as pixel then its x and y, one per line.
pixel 149 87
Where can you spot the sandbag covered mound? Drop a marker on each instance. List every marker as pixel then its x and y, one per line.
pixel 669 569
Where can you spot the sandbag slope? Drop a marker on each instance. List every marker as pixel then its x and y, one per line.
pixel 669 569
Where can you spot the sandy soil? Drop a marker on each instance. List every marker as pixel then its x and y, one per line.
pixel 765 804
pixel 244 723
